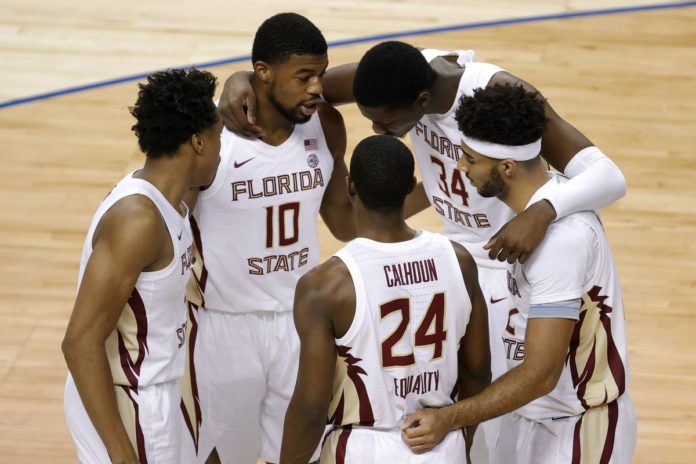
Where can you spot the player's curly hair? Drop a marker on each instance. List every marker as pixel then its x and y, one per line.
pixel 382 171
pixel 286 34
pixel 502 113
pixel 171 107
pixel 391 74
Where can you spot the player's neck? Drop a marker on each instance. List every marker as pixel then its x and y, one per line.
pixel 165 174
pixel 444 90
pixel 276 126
pixel 522 187
pixel 380 227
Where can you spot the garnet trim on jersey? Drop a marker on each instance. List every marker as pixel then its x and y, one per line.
pixel 608 447
pixel 581 379
pixel 203 278
pixel 139 438
pixel 193 424
pixel 132 369
pixel 353 370
pixel 342 444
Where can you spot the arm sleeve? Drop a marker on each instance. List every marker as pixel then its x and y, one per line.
pixel 556 270
pixel 568 309
pixel 595 182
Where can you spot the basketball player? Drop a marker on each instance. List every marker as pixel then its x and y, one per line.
pixel 564 339
pixel 255 229
pixel 123 344
pixel 405 90
pixel 386 326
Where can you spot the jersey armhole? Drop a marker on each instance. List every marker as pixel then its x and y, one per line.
pixel 360 297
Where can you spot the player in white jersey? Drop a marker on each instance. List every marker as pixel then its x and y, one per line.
pixel 256 233
pixel 124 342
pixel 394 322
pixel 564 339
pixel 404 90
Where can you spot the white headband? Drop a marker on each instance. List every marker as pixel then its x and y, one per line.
pixel 497 151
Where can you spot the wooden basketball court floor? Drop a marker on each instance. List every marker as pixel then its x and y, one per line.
pixel 627 80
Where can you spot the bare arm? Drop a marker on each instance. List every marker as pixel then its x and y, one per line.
pixel 546 347
pixel 336 209
pixel 474 349
pixel 238 105
pixel 238 101
pixel 416 201
pixel 338 84
pixel 127 241
pixel 315 300
pixel 596 182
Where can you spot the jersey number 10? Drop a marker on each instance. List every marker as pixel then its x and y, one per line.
pixel 435 314
pixel 284 238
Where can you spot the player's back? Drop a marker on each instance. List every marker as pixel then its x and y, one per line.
pixel 400 352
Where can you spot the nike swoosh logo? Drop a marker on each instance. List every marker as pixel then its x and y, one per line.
pixel 239 165
pixel 498 300
pixel 179 236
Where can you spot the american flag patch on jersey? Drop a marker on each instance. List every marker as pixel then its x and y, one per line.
pixel 311 144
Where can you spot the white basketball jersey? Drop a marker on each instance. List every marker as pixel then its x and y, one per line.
pixel 468 218
pixel 146 347
pixel 256 226
pixel 573 261
pixel 400 352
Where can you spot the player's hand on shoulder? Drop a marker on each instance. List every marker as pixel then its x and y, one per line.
pixel 518 239
pixel 238 106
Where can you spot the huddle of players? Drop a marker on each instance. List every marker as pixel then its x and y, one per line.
pixel 393 340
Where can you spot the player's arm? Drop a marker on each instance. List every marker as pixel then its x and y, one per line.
pixel 127 241
pixel 238 100
pixel 338 84
pixel 546 347
pixel 555 288
pixel 416 201
pixel 336 209
pixel 595 182
pixel 305 418
pixel 474 349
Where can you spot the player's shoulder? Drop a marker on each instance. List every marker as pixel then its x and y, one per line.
pixel 502 77
pixel 567 239
pixel 581 225
pixel 134 215
pixel 133 223
pixel 330 117
pixel 328 286
pixel 327 280
pixel 464 258
pixel 334 129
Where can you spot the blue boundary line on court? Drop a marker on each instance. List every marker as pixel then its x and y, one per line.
pixel 369 38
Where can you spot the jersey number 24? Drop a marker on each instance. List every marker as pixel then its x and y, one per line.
pixel 424 336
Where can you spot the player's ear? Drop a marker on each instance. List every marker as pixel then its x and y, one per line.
pixel 508 167
pixel 197 143
pixel 423 99
pixel 263 71
pixel 350 188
